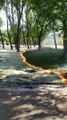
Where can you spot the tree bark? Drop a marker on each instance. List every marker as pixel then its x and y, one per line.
pixel 2 39
pixel 54 39
pixel 24 41
pixel 54 36
pixel 9 36
pixel 17 39
pixel 65 38
pixel 39 38
pixel 8 18
pixel 27 27
pixel 12 12
pixel 33 40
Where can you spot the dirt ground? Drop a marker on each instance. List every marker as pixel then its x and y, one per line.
pixel 44 103
pixel 33 105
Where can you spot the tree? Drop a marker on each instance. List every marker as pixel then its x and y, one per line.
pixel 14 10
pixel 40 19
pixel 7 9
pixel 58 11
pixel 19 6
pixel 63 16
pixel 53 9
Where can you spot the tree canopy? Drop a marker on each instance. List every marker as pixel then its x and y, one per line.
pixel 29 20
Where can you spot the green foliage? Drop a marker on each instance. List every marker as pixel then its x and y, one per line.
pixel 16 4
pixel 2 3
pixel 1 22
pixel 39 15
pixel 13 29
pixel 50 9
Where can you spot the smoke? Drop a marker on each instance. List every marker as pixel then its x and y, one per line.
pixel 49 40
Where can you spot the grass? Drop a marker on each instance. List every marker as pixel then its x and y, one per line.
pixel 45 58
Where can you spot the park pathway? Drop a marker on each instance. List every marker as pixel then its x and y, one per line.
pixel 12 68
pixel 19 101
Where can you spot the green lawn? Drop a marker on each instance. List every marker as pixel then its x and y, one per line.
pixel 45 58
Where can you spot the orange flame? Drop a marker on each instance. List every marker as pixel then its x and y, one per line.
pixel 61 74
pixel 25 61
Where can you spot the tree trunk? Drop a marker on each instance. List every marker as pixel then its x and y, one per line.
pixel 39 43
pixel 39 38
pixel 24 41
pixel 12 12
pixel 9 36
pixel 65 38
pixel 8 18
pixel 10 40
pixel 54 36
pixel 27 27
pixel 27 42
pixel 17 44
pixel 2 40
pixel 54 39
pixel 27 37
pixel 17 39
pixel 33 40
